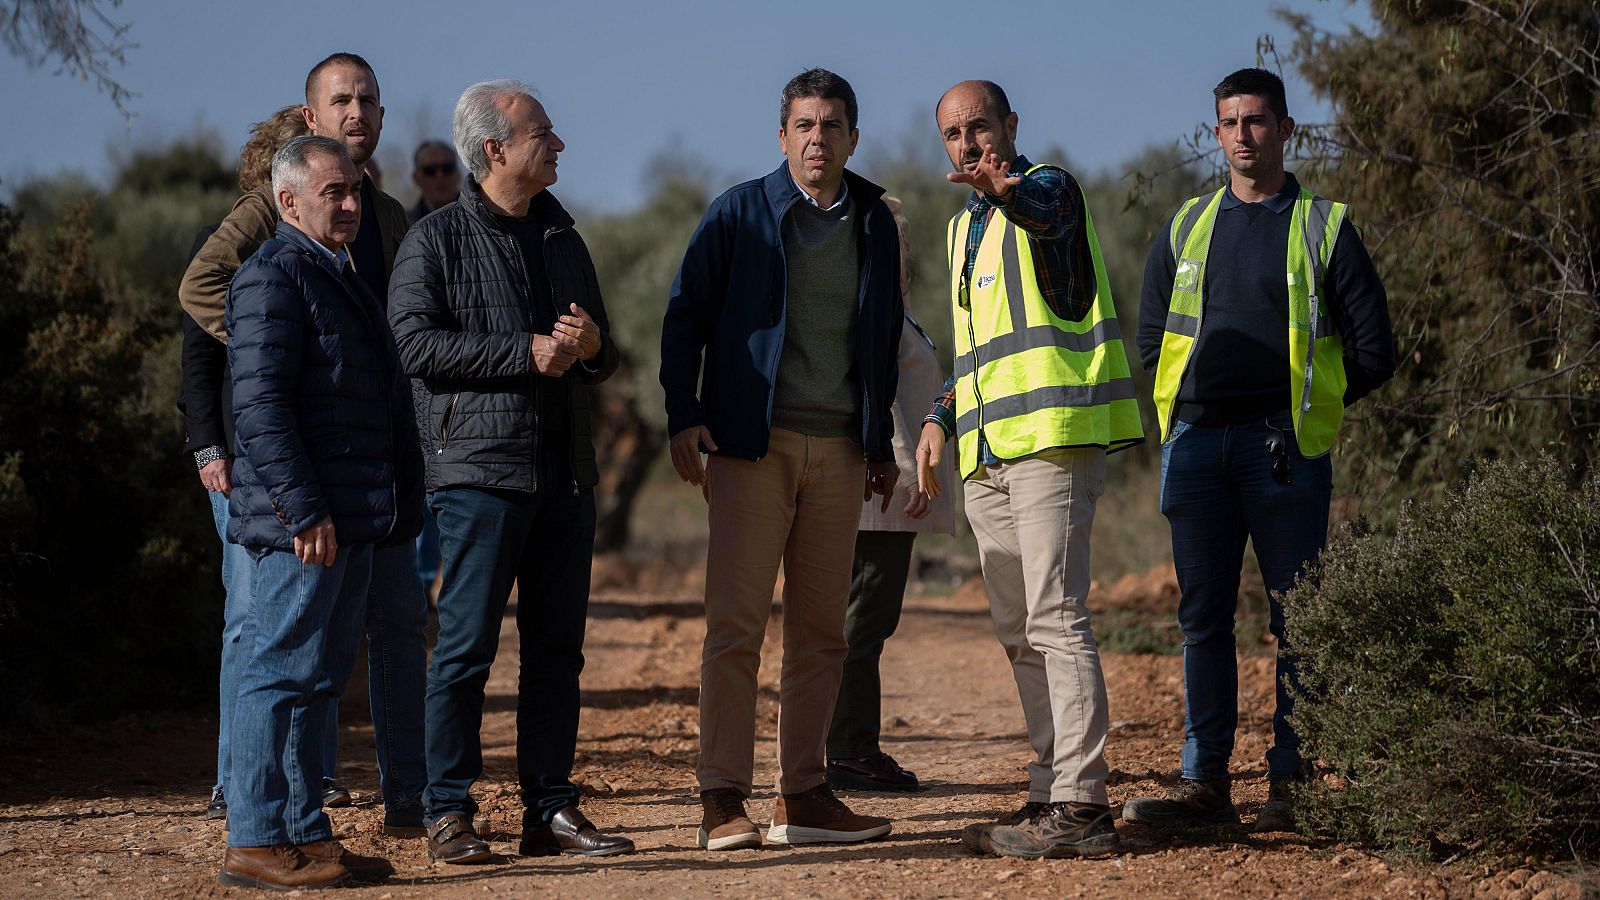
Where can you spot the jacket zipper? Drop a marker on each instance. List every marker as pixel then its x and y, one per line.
pixel 444 424
pixel 572 461
pixel 861 305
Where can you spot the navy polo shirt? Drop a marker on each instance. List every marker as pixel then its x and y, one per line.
pixel 1239 368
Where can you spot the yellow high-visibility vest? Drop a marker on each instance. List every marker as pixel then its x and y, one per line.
pixel 1028 380
pixel 1316 354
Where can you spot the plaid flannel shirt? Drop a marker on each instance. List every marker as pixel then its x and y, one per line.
pixel 1048 205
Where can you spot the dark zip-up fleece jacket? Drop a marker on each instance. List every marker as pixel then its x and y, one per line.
pixel 460 305
pixel 728 308
pixel 322 409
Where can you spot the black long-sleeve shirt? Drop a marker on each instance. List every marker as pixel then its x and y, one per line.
pixel 1237 367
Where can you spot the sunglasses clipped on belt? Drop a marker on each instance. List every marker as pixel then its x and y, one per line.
pixel 1278 448
pixel 432 169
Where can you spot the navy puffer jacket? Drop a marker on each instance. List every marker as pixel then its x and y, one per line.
pixel 322 410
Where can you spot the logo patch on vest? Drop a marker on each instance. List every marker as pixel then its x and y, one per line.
pixel 1188 277
pixel 984 281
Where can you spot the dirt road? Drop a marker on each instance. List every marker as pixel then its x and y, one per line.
pixel 116 812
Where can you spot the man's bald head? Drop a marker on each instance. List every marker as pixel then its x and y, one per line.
pixel 971 116
pixel 992 93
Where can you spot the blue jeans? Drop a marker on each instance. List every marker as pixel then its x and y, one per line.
pixel 236 587
pixel 396 615
pixel 1217 490
pixel 544 543
pixel 428 550
pixel 298 646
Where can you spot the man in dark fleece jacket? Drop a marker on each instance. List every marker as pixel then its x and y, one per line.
pixel 789 294
pixel 497 311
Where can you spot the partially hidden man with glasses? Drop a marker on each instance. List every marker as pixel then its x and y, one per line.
pixel 1262 318
pixel 437 175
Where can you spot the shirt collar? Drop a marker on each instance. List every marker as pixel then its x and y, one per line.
pixel 338 257
pixel 977 201
pixel 844 194
pixel 1278 202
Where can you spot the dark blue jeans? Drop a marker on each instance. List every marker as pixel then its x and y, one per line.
pixel 489 539
pixel 396 616
pixel 1217 491
pixel 297 647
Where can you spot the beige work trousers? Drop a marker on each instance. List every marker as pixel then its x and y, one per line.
pixel 798 504
pixel 1032 520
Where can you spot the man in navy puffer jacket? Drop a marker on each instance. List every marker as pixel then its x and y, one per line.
pixel 328 466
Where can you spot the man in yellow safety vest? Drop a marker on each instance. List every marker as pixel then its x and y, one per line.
pixel 1041 393
pixel 1263 318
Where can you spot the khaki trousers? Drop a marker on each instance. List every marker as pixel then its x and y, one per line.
pixel 798 504
pixel 1032 520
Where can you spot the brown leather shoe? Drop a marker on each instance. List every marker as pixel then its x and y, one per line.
pixel 723 823
pixel 366 869
pixel 452 840
pixel 279 868
pixel 818 817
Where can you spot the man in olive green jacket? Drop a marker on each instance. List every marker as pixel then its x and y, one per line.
pixel 342 103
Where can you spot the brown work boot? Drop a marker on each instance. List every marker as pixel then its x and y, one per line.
pixel 723 824
pixel 1278 812
pixel 1192 804
pixel 279 868
pixel 818 817
pixel 1067 830
pixel 366 869
pixel 976 837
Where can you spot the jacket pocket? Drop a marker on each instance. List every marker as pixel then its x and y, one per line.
pixel 444 423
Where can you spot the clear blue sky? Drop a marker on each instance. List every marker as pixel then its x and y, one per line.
pixel 627 82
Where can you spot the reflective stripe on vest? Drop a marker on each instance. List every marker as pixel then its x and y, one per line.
pixel 1316 353
pixel 1026 379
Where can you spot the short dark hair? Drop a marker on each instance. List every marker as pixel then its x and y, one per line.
pixel 818 83
pixel 1256 83
pixel 432 142
pixel 338 59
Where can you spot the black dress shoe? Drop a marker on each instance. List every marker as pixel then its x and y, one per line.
pixel 334 793
pixel 404 819
pixel 877 772
pixel 218 807
pixel 569 832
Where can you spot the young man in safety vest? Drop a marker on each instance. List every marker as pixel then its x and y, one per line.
pixel 1041 393
pixel 1263 318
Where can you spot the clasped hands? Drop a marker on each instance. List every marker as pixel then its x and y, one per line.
pixel 575 337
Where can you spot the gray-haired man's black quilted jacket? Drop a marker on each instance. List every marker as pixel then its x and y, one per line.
pixel 460 307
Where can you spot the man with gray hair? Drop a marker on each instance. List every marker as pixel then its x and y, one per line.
pixel 342 102
pixel 496 310
pixel 327 469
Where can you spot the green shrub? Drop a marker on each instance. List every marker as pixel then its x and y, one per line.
pixel 109 597
pixel 1452 671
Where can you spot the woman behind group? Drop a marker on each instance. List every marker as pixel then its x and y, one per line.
pixel 206 402
pixel 883 564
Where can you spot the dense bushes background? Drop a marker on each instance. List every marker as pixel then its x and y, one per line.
pixel 108 573
pixel 1452 671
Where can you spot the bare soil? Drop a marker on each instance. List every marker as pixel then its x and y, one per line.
pixel 116 811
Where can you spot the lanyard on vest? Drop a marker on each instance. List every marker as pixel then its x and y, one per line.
pixel 965 296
